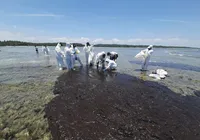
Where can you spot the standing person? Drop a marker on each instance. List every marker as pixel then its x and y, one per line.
pixel 59 56
pixel 75 52
pixel 36 49
pixel 112 55
pixel 89 54
pixel 147 54
pixel 100 59
pixel 45 50
pixel 69 56
pixel 111 65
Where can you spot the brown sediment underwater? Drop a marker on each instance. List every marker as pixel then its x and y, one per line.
pixel 108 105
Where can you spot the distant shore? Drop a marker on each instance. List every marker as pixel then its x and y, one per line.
pixel 20 43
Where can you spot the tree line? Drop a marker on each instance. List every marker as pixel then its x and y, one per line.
pixel 136 46
pixel 21 43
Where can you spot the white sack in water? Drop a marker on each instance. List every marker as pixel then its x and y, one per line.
pixel 161 72
pixel 156 76
pixel 140 55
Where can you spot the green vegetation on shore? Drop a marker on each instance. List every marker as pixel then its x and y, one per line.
pixel 20 43
pixel 136 46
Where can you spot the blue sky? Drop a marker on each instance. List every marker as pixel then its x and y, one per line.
pixel 166 22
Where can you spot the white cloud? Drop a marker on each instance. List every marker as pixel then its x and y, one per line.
pixel 168 20
pixel 175 21
pixel 8 35
pixel 115 40
pixel 14 26
pixel 98 40
pixel 37 15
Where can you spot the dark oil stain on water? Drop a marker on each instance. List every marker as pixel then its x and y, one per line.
pixel 94 105
pixel 171 65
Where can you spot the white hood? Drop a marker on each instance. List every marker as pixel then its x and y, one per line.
pixel 150 47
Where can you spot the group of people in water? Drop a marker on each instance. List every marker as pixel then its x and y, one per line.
pixel 71 54
pixel 66 58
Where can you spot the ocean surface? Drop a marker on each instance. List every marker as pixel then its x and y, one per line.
pixel 177 58
pixel 22 64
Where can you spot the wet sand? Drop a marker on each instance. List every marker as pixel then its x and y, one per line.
pixel 95 105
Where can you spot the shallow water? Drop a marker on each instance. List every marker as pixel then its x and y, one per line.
pixel 19 64
pixel 171 56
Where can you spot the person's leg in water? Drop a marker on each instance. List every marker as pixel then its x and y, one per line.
pixel 103 64
pixel 72 62
pixel 97 64
pixel 69 63
pixel 79 60
pixel 60 63
pixel 144 65
pixel 86 57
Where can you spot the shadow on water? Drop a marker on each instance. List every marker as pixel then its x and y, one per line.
pixel 97 105
pixel 171 65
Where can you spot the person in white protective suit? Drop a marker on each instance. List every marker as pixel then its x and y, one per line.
pixel 147 54
pixel 89 54
pixel 75 52
pixel 111 64
pixel 45 50
pixel 100 59
pixel 59 56
pixel 112 55
pixel 68 56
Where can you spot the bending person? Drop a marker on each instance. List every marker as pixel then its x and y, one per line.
pixel 100 59
pixel 111 64
pixel 59 56
pixel 112 55
pixel 147 54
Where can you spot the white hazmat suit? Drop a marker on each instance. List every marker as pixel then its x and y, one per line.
pixel 147 54
pixel 68 56
pixel 45 50
pixel 111 64
pixel 59 56
pixel 100 59
pixel 75 52
pixel 89 54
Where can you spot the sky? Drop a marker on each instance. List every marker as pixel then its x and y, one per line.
pixel 157 22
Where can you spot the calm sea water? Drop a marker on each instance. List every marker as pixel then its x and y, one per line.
pixel 177 58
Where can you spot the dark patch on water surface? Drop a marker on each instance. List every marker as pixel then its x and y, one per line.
pixel 171 65
pixel 96 105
